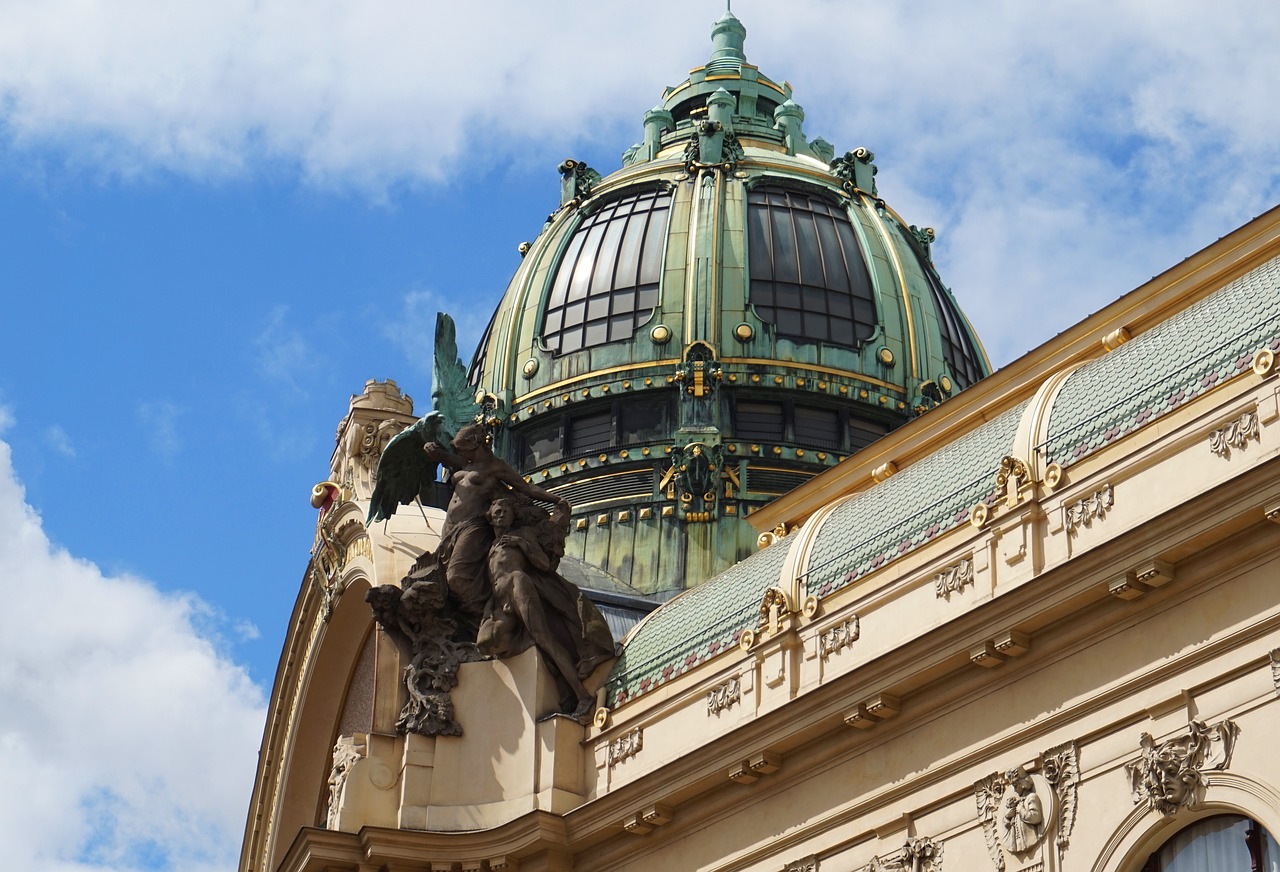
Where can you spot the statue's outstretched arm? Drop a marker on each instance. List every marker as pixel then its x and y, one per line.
pixel 440 454
pixel 519 485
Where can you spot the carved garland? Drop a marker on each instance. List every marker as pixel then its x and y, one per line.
pixel 722 696
pixel 1235 434
pixel 953 579
pixel 918 854
pixel 625 746
pixel 839 637
pixel 1083 512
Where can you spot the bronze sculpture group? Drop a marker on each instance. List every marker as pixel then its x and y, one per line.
pixel 491 589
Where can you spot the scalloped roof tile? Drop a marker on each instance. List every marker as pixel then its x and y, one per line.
pixel 1197 349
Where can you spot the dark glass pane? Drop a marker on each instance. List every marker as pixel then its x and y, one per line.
pixel 786 296
pixel 813 299
pixel 784 247
pixel 810 255
pixel 644 421
pixel 863 433
pixel 540 445
pixel 807 274
pixel 760 244
pixel 816 326
pixel 833 255
pixel 646 299
pixel 651 257
pixel 818 427
pixel 790 322
pixel 759 420
pixel 607 258
pixel 591 432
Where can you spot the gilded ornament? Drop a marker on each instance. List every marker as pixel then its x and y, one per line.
pixel 1264 361
pixel 530 368
pixel 744 332
pixel 660 334
pixel 886 356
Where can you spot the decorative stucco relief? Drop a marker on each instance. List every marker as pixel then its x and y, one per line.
pixel 839 637
pixel 919 854
pixel 1082 512
pixel 808 864
pixel 1171 775
pixel 1022 812
pixel 953 579
pixel 1235 434
pixel 1275 668
pixel 722 696
pixel 625 746
pixel 347 751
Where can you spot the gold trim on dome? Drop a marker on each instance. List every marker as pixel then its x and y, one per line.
pixel 826 370
pixel 592 376
pixel 883 232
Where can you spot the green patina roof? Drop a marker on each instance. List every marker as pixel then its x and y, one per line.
pixel 695 626
pixel 1192 352
pixel 913 507
pixel 869 531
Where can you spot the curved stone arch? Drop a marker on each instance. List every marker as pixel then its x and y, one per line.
pixel 796 567
pixel 314 694
pixel 1143 830
pixel 1033 429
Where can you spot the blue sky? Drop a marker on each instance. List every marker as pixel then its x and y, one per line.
pixel 219 218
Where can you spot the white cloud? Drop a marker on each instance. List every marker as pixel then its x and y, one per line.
pixel 283 354
pixel 1064 152
pixel 59 441
pixel 127 741
pixel 160 420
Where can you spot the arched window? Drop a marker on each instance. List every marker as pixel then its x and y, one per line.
pixel 606 284
pixel 1224 843
pixel 808 277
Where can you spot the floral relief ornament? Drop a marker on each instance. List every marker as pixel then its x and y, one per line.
pixel 1171 775
pixel 918 854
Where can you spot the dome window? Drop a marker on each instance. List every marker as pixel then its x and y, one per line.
pixel 607 282
pixel 808 277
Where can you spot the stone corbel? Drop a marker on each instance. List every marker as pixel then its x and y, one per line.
pixel 755 767
pixel 871 711
pixel 995 652
pixel 647 819
pixel 1141 580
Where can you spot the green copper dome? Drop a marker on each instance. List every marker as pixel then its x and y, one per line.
pixel 728 314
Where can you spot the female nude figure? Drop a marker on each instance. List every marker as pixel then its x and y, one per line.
pixel 533 604
pixel 478 478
